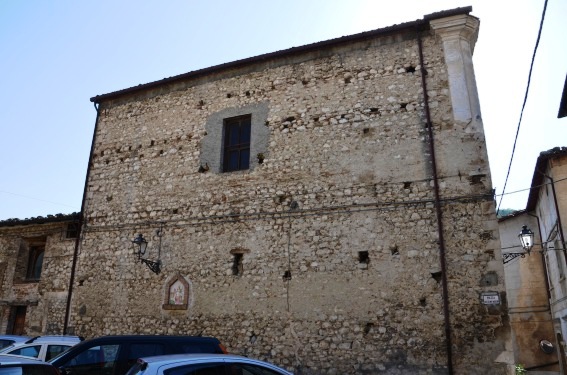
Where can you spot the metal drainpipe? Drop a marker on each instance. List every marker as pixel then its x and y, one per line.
pixel 559 225
pixel 78 239
pixel 437 210
pixel 542 258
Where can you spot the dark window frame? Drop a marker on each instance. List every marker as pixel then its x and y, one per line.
pixel 72 231
pixel 237 133
pixel 35 263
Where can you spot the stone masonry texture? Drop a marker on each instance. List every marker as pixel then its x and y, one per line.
pixel 339 199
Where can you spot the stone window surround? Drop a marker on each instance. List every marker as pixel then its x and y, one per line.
pixel 212 145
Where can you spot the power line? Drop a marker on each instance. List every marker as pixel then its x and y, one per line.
pixel 36 199
pixel 524 104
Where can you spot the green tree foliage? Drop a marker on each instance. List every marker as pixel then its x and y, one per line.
pixel 506 211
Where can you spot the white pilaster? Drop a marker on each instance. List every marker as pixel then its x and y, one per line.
pixel 459 34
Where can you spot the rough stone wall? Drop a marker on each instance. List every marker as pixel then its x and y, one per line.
pixel 347 142
pixel 45 299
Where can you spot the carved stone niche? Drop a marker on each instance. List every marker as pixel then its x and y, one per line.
pixel 176 294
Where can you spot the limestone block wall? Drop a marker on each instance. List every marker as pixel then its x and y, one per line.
pixel 341 198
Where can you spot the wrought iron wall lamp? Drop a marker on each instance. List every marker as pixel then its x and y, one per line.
pixel 526 237
pixel 140 245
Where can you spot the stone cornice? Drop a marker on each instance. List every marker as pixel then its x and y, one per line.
pixel 462 26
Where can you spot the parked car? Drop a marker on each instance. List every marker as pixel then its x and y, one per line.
pixel 203 364
pixel 7 340
pixel 42 347
pixel 114 355
pixel 16 365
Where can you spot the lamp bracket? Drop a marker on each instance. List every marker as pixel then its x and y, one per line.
pixel 155 267
pixel 507 257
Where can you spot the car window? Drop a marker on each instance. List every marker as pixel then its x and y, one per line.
pixel 197 369
pixel 98 360
pixel 28 351
pixel 249 369
pixel 4 343
pixel 54 350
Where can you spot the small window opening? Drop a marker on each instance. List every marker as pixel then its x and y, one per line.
pixel 366 130
pixel 72 230
pixel 403 105
pixel 423 301
pixel 363 257
pixel 437 276
pixel 229 95
pixel 476 179
pixel 407 185
pixel 410 69
pixel 261 158
pixel 394 250
pixel 368 327
pixel 248 93
pixel 237 267
pixel 152 143
pixel 373 110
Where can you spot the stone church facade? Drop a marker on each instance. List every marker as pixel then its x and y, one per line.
pixel 328 208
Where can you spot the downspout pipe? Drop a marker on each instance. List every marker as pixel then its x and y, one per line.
pixel 442 252
pixel 79 232
pixel 559 225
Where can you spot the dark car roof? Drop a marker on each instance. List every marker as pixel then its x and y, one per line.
pixel 120 339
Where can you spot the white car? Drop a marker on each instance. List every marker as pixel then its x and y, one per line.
pixel 203 364
pixel 42 347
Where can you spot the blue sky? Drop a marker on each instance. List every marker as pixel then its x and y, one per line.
pixel 56 55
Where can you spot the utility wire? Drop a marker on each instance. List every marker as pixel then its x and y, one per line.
pixel 524 104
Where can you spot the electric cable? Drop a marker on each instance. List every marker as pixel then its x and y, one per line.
pixel 524 104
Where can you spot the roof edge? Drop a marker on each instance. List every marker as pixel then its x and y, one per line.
pixel 537 179
pixel 40 220
pixel 419 24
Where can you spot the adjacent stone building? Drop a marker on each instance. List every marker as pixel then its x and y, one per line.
pixel 528 295
pixel 328 208
pixel 35 268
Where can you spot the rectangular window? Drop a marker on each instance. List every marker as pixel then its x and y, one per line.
pixel 236 152
pixel 237 267
pixel 35 263
pixel 72 230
